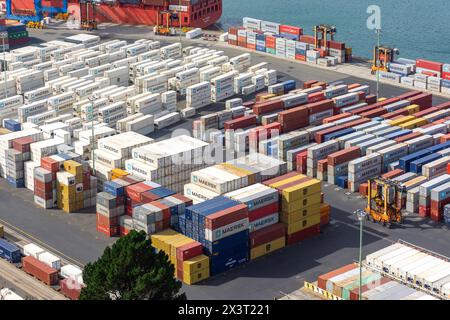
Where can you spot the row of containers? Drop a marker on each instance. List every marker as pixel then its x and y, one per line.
pixel 17 34
pixel 44 266
pixel 287 42
pixel 397 272
pixel 420 73
pixel 247 220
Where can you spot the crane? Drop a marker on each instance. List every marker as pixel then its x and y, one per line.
pixel 36 15
pixel 382 55
pixel 384 201
pixel 321 32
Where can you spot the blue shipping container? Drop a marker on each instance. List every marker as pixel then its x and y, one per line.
pixel 219 264
pixel 9 251
pixel 397 134
pixel 406 160
pixel 342 182
pixel 289 85
pixel 338 134
pixel 162 192
pixel 16 183
pixel 218 246
pixel 260 48
pixel 12 125
pixel 439 147
pixel 113 188
pixel 416 165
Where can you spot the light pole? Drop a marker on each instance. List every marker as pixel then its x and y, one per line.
pixel 3 35
pixel 91 113
pixel 360 214
pixel 378 62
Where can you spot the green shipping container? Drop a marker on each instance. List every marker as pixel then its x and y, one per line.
pixel 270 50
pixel 365 280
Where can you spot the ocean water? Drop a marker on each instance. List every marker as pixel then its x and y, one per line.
pixel 418 28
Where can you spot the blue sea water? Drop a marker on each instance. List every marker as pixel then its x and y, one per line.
pixel 418 28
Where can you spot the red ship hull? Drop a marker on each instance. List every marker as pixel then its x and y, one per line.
pixel 202 14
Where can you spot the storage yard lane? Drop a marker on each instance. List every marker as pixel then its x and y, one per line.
pixel 27 283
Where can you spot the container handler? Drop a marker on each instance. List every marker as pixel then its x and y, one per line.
pixel 384 202
pixel 382 56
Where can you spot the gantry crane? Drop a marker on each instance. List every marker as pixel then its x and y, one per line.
pixel 160 28
pixel 382 55
pixel 321 32
pixel 34 16
pixel 384 201
pixel 87 15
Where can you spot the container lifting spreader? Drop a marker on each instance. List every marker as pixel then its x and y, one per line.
pixel 382 56
pixel 384 201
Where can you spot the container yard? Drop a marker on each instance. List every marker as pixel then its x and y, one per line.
pixel 252 179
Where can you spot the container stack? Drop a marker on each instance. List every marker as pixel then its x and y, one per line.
pixel 198 95
pixel 15 161
pixel 191 266
pixel 221 226
pixel 300 203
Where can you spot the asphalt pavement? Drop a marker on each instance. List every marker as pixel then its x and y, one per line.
pixel 74 235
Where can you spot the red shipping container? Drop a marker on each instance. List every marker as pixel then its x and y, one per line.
pixel 232 30
pixel 280 178
pixel 407 137
pixel 267 234
pixel 445 138
pixel 268 106
pixel 336 45
pixel 159 226
pixel 41 193
pixel 409 94
pixel 112 231
pixel 424 211
pixel 321 84
pixel 296 31
pixel 227 216
pixel 353 86
pixel 22 144
pixel 106 221
pixel 308 84
pixel 43 186
pixel 251 46
pixel 322 165
pixel 134 192
pixel 363 189
pixel 49 164
pixel 263 212
pixel 270 42
pixel 319 136
pixel 322 279
pixel 249 104
pixel 425 112
pixel 336 117
pixel 308 39
pixel 293 119
pixel 392 174
pixel 355 123
pixel 343 156
pixel 303 234
pixel 166 224
pixel 301 162
pixel 259 96
pixel 315 97
pixel 263 132
pixel 371 99
pixel 427 64
pixel 70 288
pixel 123 231
pixel 424 100
pixel 374 113
pixel 240 123
pixel 164 209
pixel 40 270
pixel 148 196
pixel 300 57
pixel 445 75
pixel 443 106
pixel 189 251
pixel 131 180
pixel 320 106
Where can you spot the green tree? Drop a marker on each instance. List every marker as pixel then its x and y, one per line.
pixel 131 270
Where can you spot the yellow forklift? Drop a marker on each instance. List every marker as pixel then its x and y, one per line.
pixel 321 32
pixel 383 55
pixel 384 202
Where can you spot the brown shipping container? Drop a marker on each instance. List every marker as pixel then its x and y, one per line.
pixel 322 165
pixel 40 270
pixel 22 144
pixel 424 100
pixel 322 280
pixel 371 99
pixel 354 123
pixel 293 119
pixel 392 174
pixel 308 84
pixel 320 106
pixel 321 84
pixel 409 94
pixel 425 112
pixel 408 137
pixel 374 113
pixel 319 136
pixel 227 216
pixel 442 106
pixel 281 178
pixel 396 113
pixel 70 289
pixel 266 234
pixel 363 189
pixel 343 156
pixel 353 86
pixel 269 106
pixel 336 117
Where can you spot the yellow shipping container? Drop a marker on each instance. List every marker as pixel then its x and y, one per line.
pixel 414 123
pixel 118 173
pixel 267 248
pixel 413 108
pixel 167 245
pixel 197 276
pixel 401 120
pixel 197 263
pixel 66 191
pixel 303 224
pixel 4 131
pixel 241 172
pixel 286 181
pixel 159 238
pixel 299 215
pixel 302 190
pixel 381 99
pixel 73 167
pixel 267 96
pixel 288 207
